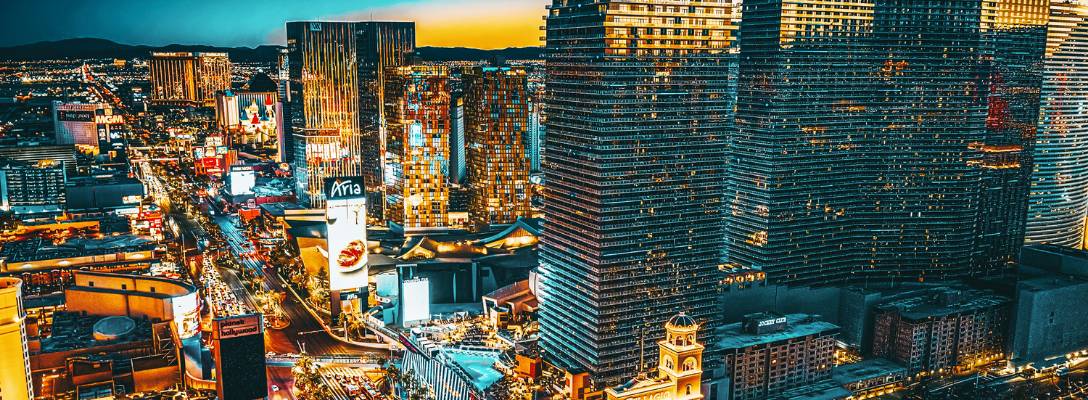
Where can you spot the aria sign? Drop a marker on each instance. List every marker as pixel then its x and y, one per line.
pixel 348 187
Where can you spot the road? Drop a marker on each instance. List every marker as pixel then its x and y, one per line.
pixel 304 328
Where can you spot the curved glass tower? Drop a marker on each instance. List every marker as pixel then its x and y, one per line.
pixel 1058 201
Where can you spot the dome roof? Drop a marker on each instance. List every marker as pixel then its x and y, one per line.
pixel 261 82
pixel 682 321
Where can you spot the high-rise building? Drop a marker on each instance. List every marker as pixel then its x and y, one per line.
pixel 324 98
pixel 458 168
pixel 213 75
pixel 188 78
pixel 74 123
pixel 380 45
pixel 417 102
pixel 496 122
pixel 15 382
pixel 890 164
pixel 635 151
pixel 1017 36
pixel 1058 199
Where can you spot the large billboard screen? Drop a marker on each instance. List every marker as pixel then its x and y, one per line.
pixel 242 180
pixel 186 315
pixel 415 300
pixel 345 216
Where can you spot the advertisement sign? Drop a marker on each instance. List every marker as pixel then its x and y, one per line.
pixel 78 116
pixel 242 180
pixel 198 153
pixel 232 327
pixel 186 315
pixel 416 300
pixel 345 216
pixel 109 119
pixel 221 150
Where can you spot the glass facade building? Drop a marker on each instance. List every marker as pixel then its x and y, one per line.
pixel 634 158
pixel 324 96
pixel 188 78
pixel 1058 199
pixel 417 139
pixel 876 143
pixel 496 106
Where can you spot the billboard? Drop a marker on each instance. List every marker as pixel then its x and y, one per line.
pixel 186 315
pixel 77 116
pixel 345 216
pixel 415 300
pixel 242 179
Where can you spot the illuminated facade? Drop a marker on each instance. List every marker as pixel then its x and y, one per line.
pixel 319 153
pixel 634 158
pixel 1058 201
pixel 213 75
pixel 497 119
pixel 380 45
pixel 15 365
pixel 893 164
pixel 1017 34
pixel 417 146
pixel 768 354
pixel 188 78
pixel 679 370
pixel 323 94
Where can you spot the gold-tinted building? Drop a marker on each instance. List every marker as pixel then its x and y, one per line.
pixel 496 122
pixel 188 78
pixel 417 139
pixel 323 98
pixel 15 364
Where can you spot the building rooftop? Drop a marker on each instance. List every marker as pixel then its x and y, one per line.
pixel 279 210
pixel 71 331
pixel 942 301
pixel 35 249
pixel 733 336
pixel 477 364
pixel 862 370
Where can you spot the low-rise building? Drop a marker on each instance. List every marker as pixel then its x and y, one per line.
pixel 46 267
pixel 32 188
pixel 768 354
pixel 872 377
pixel 942 331
pixel 1050 317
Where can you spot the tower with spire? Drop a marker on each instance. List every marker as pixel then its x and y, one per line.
pixel 679 371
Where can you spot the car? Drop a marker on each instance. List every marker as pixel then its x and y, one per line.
pixel 275 388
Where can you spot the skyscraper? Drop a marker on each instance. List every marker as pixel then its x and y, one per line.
pixel 1016 31
pixel 637 118
pixel 380 45
pixel 188 78
pixel 496 123
pixel 867 147
pixel 172 77
pixel 324 94
pixel 1058 201
pixel 336 72
pixel 417 139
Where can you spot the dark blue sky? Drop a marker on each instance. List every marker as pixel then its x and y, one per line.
pixel 471 23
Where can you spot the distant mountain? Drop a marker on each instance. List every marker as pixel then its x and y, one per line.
pixel 102 48
pixel 469 54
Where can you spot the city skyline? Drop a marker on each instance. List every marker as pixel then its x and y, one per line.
pixel 484 24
